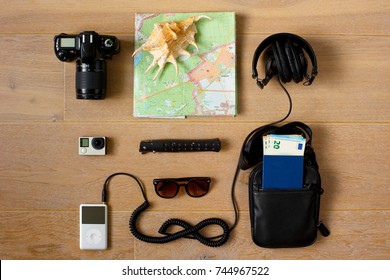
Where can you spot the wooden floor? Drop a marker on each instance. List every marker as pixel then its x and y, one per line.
pixel 43 180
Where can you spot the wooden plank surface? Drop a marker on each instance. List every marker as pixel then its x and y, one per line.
pixel 342 61
pixel 51 235
pixel 43 180
pixel 54 177
pixel 303 17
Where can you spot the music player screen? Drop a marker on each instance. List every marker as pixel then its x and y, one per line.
pixel 93 215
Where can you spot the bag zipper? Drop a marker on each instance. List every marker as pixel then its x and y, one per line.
pixel 323 229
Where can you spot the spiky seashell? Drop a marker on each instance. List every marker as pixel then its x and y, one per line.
pixel 170 40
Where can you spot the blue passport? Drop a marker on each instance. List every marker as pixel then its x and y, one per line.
pixel 282 172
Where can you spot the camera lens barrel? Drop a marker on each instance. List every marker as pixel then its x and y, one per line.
pixel 98 143
pixel 91 79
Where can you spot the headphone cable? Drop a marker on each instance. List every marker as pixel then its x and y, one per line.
pixel 188 231
pixel 236 173
pixel 290 103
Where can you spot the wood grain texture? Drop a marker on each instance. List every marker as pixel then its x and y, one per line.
pixel 43 180
pixel 31 80
pixel 51 235
pixel 43 172
pixel 303 17
pixel 342 61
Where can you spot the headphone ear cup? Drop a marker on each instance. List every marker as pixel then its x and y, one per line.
pixel 270 69
pixel 294 61
pixel 252 150
pixel 281 61
pixel 302 61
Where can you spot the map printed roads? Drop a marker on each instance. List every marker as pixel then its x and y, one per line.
pixel 206 82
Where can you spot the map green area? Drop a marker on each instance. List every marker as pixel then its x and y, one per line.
pixel 205 84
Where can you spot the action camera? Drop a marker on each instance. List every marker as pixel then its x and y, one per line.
pixel 91 51
pixel 92 146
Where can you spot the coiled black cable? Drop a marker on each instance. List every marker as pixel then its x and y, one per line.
pixel 188 231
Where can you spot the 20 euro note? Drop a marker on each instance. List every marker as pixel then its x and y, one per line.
pixel 278 144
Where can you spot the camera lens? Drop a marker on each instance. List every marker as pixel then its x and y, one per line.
pixel 91 80
pixel 98 143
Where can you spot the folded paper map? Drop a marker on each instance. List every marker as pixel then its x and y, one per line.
pixel 204 83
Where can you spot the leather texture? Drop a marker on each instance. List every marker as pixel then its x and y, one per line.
pixel 283 218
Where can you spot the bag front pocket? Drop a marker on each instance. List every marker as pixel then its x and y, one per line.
pixel 284 218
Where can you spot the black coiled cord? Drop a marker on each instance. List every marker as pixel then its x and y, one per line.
pixel 188 231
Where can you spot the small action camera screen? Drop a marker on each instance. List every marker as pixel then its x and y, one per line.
pixel 68 42
pixel 84 142
pixel 93 215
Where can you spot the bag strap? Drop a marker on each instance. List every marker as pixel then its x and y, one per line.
pixel 243 161
pixel 305 130
pixel 297 127
pixel 289 128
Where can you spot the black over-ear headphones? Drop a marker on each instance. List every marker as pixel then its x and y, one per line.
pixel 284 58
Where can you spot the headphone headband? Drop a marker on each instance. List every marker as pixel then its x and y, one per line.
pixel 295 39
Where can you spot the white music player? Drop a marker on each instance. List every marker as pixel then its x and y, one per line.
pixel 93 226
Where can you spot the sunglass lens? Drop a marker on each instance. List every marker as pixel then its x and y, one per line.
pixel 197 187
pixel 167 189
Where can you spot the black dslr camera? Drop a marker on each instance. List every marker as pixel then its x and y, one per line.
pixel 91 51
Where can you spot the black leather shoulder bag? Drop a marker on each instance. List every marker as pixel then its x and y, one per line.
pixel 283 218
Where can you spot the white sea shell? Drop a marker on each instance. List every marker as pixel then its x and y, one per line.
pixel 170 40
